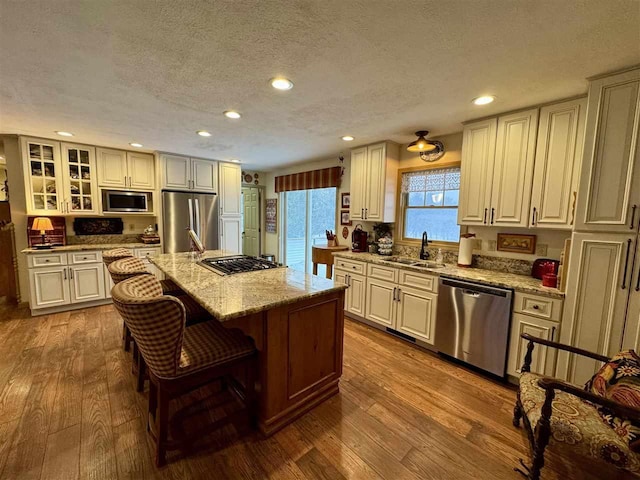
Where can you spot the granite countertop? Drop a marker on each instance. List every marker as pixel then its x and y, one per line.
pixel 91 246
pixel 520 283
pixel 233 296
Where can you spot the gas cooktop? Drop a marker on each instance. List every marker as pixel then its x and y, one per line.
pixel 237 264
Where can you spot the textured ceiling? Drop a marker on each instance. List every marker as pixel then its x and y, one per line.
pixel 155 72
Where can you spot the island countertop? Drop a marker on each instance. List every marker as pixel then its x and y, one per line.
pixel 232 296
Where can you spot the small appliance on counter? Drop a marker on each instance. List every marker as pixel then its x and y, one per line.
pixel 359 239
pixel 150 236
pixel 542 266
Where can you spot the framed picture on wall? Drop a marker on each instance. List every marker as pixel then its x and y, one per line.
pixel 517 243
pixel 346 200
pixel 345 218
pixel 271 217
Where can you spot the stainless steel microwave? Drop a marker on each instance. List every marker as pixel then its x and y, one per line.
pixel 120 201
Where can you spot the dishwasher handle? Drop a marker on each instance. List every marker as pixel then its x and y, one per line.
pixel 475 287
pixel 471 293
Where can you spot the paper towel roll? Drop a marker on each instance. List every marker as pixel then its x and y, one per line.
pixel 465 251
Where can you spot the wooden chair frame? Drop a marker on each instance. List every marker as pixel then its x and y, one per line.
pixel 539 438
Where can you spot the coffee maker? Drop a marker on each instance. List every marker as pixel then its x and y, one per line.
pixel 359 239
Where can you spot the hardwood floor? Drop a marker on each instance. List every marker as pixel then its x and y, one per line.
pixel 69 410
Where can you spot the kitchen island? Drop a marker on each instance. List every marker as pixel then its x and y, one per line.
pixel 295 319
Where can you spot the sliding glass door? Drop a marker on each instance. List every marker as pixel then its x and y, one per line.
pixel 307 215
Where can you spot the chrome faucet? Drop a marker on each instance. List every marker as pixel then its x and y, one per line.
pixel 424 255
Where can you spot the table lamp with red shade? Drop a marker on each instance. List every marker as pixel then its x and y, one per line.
pixel 44 225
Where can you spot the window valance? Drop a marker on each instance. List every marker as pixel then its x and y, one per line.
pixel 325 178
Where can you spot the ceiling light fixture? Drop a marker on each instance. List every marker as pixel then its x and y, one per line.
pixel 137 145
pixel 483 100
pixel 203 133
pixel 232 114
pixel 281 83
pixel 429 150
pixel 348 138
pixel 65 134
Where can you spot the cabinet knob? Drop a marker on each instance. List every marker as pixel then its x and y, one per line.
pixel 46 260
pixel 536 307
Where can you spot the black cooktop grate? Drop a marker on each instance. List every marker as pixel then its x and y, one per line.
pixel 237 264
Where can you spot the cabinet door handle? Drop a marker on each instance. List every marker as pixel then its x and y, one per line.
pixel 71 273
pixel 362 213
pixel 366 212
pixel 493 210
pixel 394 293
pixel 553 334
pixel 638 282
pixel 626 265
pixel 348 280
pixel 633 216
pixel 573 208
pixel 484 219
pixel 533 217
pixel 65 273
pixel 399 293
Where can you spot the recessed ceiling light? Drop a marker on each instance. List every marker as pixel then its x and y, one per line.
pixel 232 114
pixel 483 100
pixel 235 160
pixel 203 133
pixel 137 145
pixel 281 83
pixel 65 134
pixel 348 138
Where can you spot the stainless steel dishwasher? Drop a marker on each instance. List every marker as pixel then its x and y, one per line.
pixel 473 323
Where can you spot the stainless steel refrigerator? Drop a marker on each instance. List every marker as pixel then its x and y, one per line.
pixel 183 210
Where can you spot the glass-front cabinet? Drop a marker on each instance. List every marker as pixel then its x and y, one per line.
pixel 43 176
pixel 80 185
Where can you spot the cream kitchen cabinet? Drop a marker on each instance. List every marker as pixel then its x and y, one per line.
pixel 416 313
pixel 185 173
pixel 230 194
pixel 373 182
pixel 544 358
pixel 125 170
pixel 49 287
pixel 497 171
pixel 80 184
pixel 87 282
pixel 476 171
pixel 43 177
pixel 609 199
pixel 599 282
pixel 380 302
pixel 231 233
pixel 355 293
pixel 557 164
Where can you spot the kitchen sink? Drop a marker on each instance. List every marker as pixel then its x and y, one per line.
pixel 413 263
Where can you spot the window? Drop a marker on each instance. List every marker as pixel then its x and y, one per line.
pixel 307 215
pixel 430 202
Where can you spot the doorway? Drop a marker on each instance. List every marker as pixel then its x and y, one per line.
pixel 307 215
pixel 251 209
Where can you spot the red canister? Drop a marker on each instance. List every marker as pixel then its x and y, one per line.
pixel 550 280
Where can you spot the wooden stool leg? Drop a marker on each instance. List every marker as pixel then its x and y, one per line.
pixel 127 338
pixel 136 356
pixel 162 424
pixel 315 269
pixel 141 373
pixel 153 403
pixel 329 271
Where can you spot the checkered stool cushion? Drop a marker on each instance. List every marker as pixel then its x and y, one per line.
pixel 126 268
pixel 110 256
pixel 157 323
pixel 210 343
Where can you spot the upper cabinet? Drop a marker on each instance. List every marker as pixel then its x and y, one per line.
pixel 125 170
pixel 609 197
pixel 184 173
pixel 230 189
pixel 79 179
pixel 497 170
pixel 373 182
pixel 557 165
pixel 522 169
pixel 43 176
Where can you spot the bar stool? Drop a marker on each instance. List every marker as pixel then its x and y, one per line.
pixel 180 359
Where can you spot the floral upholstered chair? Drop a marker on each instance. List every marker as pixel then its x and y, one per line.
pixel 181 359
pixel 600 420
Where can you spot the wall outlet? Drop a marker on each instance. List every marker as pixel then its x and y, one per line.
pixel 541 249
pixel 491 245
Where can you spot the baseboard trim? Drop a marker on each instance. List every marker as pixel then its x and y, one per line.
pixel 36 312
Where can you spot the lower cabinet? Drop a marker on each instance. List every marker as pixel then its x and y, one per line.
pixel 544 358
pixel 416 313
pixel 87 282
pixel 355 294
pixel 49 287
pixel 381 302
